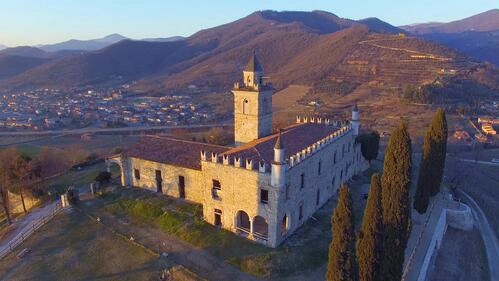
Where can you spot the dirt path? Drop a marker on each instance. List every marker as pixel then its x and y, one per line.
pixel 488 236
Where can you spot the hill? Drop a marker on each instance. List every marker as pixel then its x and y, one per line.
pixel 11 65
pixel 84 45
pixel 3 47
pixel 317 48
pixel 25 51
pixel 476 36
pixel 486 21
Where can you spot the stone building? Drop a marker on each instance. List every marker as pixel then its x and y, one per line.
pixel 265 186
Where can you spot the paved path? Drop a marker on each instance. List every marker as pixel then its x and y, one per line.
pixel 26 223
pixel 423 227
pixel 488 236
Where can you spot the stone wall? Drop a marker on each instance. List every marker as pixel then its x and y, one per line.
pixel 322 186
pixel 170 179
pixel 460 218
pixel 240 191
pixel 252 115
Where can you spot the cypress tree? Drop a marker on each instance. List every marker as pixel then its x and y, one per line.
pixel 422 196
pixel 370 240
pixel 439 141
pixel 341 264
pixel 395 184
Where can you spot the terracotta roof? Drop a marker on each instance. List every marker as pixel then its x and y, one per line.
pixel 171 151
pixel 253 65
pixel 294 139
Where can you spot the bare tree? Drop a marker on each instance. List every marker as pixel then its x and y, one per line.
pixel 5 181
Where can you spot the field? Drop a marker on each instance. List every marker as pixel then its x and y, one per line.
pixel 72 247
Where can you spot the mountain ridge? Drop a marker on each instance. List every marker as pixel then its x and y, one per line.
pixel 482 22
pixel 312 48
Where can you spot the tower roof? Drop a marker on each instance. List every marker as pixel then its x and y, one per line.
pixel 355 108
pixel 253 65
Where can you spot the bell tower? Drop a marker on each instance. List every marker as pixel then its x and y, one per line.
pixel 252 104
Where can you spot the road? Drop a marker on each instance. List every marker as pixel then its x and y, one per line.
pixel 429 55
pixel 477 161
pixel 488 236
pixel 110 130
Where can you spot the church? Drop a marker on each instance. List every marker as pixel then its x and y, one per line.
pixel 266 185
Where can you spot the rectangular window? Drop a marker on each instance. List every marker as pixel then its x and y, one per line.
pixel 333 182
pixel 264 196
pixel 181 186
pixel 287 191
pixel 216 184
pixel 319 169
pixel 300 212
pixel 334 158
pixel 136 173
pixel 215 190
pixel 302 180
pixel 218 217
pixel 317 199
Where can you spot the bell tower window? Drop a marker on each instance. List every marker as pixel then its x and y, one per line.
pixel 245 106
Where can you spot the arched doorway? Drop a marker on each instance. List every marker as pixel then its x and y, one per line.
pixel 260 227
pixel 243 222
pixel 113 166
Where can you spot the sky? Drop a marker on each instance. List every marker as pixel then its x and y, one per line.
pixel 32 22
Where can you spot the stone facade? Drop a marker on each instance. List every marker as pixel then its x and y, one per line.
pixel 265 188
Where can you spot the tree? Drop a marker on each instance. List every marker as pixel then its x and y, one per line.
pixel 4 183
pixel 23 170
pixel 395 183
pixel 369 145
pixel 103 177
pixel 370 239
pixel 341 264
pixel 7 177
pixel 422 196
pixel 432 162
pixel 439 141
pixel 53 161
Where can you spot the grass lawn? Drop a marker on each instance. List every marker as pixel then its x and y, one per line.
pixel 72 247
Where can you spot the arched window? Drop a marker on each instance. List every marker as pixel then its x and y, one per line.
pixel 245 106
pixel 284 225
pixel 242 221
pixel 260 227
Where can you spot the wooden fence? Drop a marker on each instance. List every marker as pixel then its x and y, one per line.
pixel 28 230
